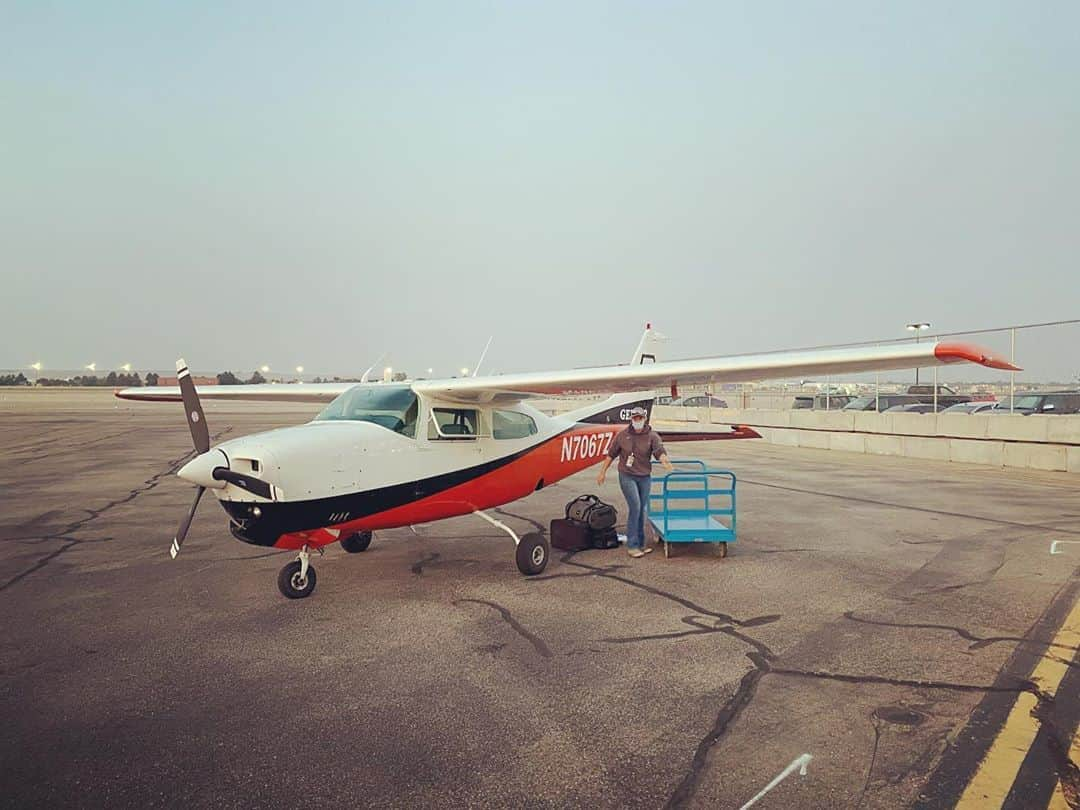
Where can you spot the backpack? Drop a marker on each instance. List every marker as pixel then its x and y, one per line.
pixel 590 511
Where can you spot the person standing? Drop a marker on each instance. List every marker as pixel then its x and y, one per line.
pixel 635 447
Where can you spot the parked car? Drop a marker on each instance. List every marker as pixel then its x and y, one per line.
pixel 1047 402
pixel 881 403
pixel 915 407
pixel 819 402
pixel 945 395
pixel 699 401
pixel 974 407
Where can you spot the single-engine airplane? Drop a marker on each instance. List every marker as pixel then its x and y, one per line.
pixel 386 455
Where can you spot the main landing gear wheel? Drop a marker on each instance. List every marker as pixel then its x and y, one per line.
pixel 355 543
pixel 532 554
pixel 294 583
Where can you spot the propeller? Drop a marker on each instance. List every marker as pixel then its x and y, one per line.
pixel 200 437
pixel 206 467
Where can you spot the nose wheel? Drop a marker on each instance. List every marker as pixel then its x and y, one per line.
pixel 297 579
pixel 355 543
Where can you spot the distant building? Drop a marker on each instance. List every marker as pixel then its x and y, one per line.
pixel 167 381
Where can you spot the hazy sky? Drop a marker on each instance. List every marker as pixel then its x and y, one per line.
pixel 319 183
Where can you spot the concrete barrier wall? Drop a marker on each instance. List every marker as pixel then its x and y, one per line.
pixel 1034 442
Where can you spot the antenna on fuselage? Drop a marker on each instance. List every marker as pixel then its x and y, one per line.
pixel 364 376
pixel 483 354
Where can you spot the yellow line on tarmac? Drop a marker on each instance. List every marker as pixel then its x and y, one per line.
pixel 1002 762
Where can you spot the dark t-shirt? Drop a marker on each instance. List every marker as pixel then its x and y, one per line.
pixel 639 447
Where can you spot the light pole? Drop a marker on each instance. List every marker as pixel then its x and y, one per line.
pixel 917 328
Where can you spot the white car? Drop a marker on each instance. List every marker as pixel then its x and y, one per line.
pixel 974 407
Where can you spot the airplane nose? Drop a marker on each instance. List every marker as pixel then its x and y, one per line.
pixel 200 470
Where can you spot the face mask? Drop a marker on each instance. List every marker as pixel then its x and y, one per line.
pixel 637 423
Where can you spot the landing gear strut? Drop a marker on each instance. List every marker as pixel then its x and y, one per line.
pixel 297 579
pixel 532 551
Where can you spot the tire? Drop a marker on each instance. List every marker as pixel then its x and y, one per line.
pixel 355 543
pixel 288 581
pixel 532 554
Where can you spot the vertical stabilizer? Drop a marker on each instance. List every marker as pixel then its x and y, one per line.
pixel 647 348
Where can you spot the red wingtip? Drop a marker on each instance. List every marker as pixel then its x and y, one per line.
pixel 746 432
pixel 969 352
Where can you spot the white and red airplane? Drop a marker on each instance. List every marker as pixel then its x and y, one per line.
pixel 385 455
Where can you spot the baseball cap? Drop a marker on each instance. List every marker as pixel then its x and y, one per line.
pixel 638 411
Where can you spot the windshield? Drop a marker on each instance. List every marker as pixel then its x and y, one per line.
pixel 390 406
pixel 860 404
pixel 1031 402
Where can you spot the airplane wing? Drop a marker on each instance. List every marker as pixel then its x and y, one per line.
pixel 265 392
pixel 709 370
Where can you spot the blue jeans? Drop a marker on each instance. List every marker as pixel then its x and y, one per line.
pixel 635 488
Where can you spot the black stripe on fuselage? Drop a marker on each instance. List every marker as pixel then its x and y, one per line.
pixel 286 517
pixel 620 414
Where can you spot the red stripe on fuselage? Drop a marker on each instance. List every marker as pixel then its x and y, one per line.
pixel 550 461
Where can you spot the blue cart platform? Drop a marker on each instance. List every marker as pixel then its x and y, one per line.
pixel 693 504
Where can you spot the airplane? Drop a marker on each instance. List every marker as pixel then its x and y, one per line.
pixel 388 455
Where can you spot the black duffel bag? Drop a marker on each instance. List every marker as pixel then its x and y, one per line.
pixel 588 510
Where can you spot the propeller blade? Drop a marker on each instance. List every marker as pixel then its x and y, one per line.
pixel 200 433
pixel 185 524
pixel 253 485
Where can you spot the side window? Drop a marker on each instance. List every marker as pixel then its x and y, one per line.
pixel 453 423
pixel 511 425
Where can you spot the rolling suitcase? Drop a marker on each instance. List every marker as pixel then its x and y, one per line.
pixel 569 535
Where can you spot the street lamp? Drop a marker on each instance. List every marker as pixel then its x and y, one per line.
pixel 265 369
pixel 917 328
pixel 126 367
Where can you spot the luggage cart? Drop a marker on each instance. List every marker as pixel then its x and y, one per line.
pixel 690 505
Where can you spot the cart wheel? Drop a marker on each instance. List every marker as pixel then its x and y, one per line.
pixel 723 550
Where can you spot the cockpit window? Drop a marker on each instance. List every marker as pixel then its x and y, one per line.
pixel 390 406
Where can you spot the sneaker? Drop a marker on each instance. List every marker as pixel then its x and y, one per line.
pixel 646 550
pixel 636 552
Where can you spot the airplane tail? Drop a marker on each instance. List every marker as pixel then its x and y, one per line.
pixel 647 348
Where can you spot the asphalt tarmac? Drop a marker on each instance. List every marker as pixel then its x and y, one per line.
pixel 883 615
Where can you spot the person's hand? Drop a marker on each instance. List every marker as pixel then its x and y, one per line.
pixel 600 477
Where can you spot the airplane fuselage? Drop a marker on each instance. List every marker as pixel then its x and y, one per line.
pixel 336 477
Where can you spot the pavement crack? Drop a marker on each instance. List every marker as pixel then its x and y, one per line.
pixel 66 534
pixel 924 509
pixel 537 643
pixel 978 642
pixel 727 715
pixel 873 758
pixel 605 572
pixel 1021 685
